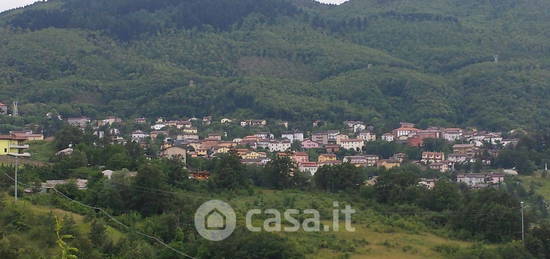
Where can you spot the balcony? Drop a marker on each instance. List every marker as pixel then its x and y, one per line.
pixel 20 155
pixel 16 146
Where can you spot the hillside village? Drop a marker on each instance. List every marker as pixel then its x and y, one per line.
pixel 196 138
pixel 291 129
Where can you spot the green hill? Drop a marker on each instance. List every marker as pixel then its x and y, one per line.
pixel 429 61
pixel 376 236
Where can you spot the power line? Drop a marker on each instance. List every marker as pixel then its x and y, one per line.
pixel 122 224
pixel 158 240
pixel 145 189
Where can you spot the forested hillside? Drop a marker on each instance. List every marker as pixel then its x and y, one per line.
pixel 446 62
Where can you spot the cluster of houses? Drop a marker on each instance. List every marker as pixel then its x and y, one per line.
pixel 407 133
pixel 180 138
pixel 474 181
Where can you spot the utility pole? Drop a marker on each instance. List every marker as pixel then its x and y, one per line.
pixel 16 173
pixel 16 166
pixel 522 225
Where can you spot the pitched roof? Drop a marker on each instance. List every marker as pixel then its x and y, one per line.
pixel 12 137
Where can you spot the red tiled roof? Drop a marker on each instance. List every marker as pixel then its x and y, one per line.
pixel 308 164
pixel 351 140
pixel 409 129
pixel 12 137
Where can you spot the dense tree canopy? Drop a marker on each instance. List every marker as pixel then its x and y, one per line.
pixel 377 61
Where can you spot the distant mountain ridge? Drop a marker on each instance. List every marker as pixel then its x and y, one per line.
pixel 434 62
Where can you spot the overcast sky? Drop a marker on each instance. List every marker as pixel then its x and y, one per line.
pixel 10 4
pixel 332 1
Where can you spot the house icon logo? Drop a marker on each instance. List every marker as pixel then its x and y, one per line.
pixel 215 220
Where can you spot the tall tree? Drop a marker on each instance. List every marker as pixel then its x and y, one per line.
pixel 68 135
pixel 228 172
pixel 280 172
pixel 150 195
pixel 339 177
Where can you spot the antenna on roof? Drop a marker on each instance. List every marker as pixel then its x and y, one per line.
pixel 15 110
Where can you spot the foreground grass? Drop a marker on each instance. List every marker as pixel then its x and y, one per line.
pixel 83 226
pixel 389 245
pixel 375 235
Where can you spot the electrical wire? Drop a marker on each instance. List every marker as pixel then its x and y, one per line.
pixel 158 240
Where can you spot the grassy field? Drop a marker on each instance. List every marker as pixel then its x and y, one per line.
pixel 8 160
pixel 389 245
pixel 83 226
pixel 376 236
pixel 537 182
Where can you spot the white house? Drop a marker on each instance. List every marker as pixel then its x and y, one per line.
pixel 264 135
pixel 293 136
pixel 366 160
pixel 114 132
pixel 405 130
pixel 367 136
pixel 107 173
pixel 452 134
pixel 473 180
pixel 460 158
pixel 359 127
pixel 139 135
pixel 494 138
pixel 187 137
pixel 309 167
pixel 109 121
pixel 432 157
pixel 183 124
pixel 332 134
pixel 372 160
pixel 340 138
pixel 289 136
pixel 253 123
pixel 356 126
pixel 175 153
pixel 81 122
pixel 440 166
pixel 388 137
pixel 264 143
pixel 352 144
pixel 279 145
pixel 158 126
pixel 495 178
pixel 428 183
